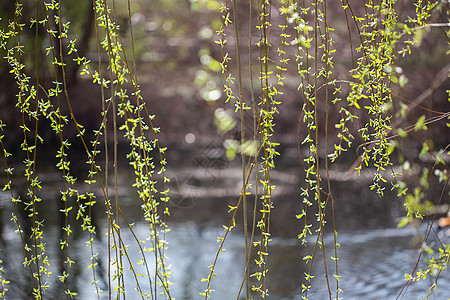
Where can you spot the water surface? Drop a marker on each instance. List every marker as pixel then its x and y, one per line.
pixel 373 258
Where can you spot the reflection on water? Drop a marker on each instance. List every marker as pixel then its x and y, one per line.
pixel 192 249
pixel 372 263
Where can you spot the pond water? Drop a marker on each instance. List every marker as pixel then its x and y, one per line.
pixel 373 258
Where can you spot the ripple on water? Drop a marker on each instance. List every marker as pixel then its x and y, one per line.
pixel 373 264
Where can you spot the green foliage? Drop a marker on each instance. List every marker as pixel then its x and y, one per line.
pixel 305 29
pixel 36 106
pixel 296 48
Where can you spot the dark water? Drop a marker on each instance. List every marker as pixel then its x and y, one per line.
pixel 373 258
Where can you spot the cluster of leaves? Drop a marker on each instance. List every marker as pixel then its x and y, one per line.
pixel 365 98
pixel 37 103
pixel 303 42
